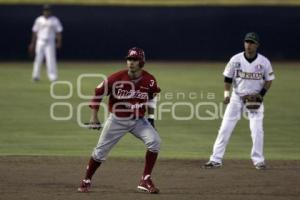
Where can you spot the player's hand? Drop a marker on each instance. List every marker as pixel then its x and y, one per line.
pixel 95 126
pixel 151 121
pixel 226 100
pixel 259 98
pixel 94 123
pixel 58 45
pixel 31 49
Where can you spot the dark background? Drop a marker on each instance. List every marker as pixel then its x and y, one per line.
pixel 165 33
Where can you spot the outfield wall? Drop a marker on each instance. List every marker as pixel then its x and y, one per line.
pixel 166 33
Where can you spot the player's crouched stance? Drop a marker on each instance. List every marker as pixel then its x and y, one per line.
pixel 131 92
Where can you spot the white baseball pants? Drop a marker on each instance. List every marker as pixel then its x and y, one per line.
pixel 232 115
pixel 45 49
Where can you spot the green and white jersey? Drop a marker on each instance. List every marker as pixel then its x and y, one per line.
pixel 248 77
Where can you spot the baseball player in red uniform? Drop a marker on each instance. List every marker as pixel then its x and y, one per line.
pixel 131 93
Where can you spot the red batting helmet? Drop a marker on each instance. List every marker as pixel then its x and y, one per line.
pixel 137 53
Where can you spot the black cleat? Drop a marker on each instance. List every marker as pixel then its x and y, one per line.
pixel 212 165
pixel 261 166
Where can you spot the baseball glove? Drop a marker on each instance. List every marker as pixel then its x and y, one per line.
pixel 252 101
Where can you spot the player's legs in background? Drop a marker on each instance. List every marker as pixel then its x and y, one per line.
pixel 231 116
pixel 257 135
pixel 38 60
pixel 51 61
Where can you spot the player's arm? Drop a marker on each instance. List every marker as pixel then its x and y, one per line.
pixel 227 87
pixel 100 91
pixel 269 77
pixel 151 106
pixel 32 43
pixel 266 87
pixel 58 40
pixel 58 30
pixel 94 120
pixel 35 29
pixel 228 74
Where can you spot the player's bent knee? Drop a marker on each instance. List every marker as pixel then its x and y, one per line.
pixel 154 145
pixel 99 156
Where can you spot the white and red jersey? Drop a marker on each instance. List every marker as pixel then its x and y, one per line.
pixel 46 28
pixel 248 77
pixel 127 97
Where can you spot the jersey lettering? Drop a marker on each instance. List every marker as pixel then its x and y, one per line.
pixel 248 75
pixel 135 106
pixel 131 94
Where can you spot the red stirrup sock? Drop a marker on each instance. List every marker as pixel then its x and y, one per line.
pixel 150 160
pixel 91 168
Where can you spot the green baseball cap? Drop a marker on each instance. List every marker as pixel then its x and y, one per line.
pixel 252 37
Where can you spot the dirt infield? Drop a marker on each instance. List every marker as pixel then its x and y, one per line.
pixel 43 178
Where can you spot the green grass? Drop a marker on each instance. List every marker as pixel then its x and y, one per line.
pixel 157 2
pixel 27 128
